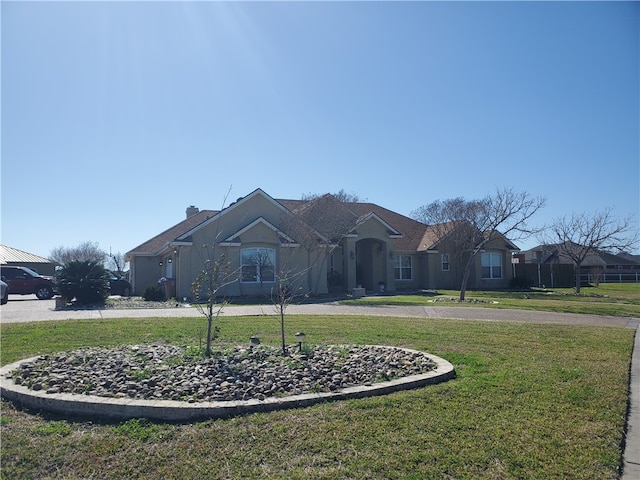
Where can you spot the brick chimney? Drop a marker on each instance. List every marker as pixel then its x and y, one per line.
pixel 192 210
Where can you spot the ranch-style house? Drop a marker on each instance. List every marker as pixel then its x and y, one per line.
pixel 321 245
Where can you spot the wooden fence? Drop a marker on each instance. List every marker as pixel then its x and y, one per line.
pixel 545 275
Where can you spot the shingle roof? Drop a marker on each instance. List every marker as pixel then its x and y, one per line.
pixel 13 255
pixel 552 253
pixel 415 236
pixel 157 243
pixel 432 235
pixel 412 231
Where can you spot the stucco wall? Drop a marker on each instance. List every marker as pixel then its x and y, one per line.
pixel 147 271
pixel 235 230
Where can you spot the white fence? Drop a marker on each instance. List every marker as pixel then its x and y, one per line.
pixel 606 277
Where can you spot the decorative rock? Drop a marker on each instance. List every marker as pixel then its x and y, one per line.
pixel 166 372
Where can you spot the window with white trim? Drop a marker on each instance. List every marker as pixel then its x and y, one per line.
pixel 491 264
pixel 445 262
pixel 402 269
pixel 258 265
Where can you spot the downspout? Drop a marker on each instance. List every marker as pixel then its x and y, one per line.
pixel 176 263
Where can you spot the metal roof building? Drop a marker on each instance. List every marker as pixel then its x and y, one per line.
pixel 13 256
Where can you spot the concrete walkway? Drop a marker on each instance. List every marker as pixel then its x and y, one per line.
pixel 44 310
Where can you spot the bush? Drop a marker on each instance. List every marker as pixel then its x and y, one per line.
pixel 87 282
pixel 154 293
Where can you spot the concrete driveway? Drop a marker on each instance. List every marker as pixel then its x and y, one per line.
pixel 28 308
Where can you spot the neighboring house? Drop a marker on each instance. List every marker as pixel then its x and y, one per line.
pixel 629 256
pixel 14 257
pixel 336 246
pixel 597 267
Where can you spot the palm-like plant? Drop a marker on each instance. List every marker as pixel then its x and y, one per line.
pixel 87 282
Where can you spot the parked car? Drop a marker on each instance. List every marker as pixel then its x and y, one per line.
pixel 119 285
pixel 4 292
pixel 24 281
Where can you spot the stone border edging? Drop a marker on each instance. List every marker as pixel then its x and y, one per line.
pixel 171 410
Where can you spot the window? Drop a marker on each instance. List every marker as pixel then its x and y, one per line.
pixel 258 265
pixel 491 265
pixel 402 267
pixel 445 262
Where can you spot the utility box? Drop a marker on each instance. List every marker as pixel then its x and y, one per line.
pixel 357 292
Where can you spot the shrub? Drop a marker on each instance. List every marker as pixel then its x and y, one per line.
pixel 154 293
pixel 86 281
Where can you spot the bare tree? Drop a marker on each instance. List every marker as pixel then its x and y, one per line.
pixel 117 262
pixel 465 227
pixel 596 274
pixel 214 276
pixel 84 252
pixel 305 237
pixel 341 196
pixel 582 234
pixel 319 226
pixel 285 291
pixel 285 278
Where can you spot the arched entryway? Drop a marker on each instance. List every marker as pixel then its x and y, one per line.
pixel 371 264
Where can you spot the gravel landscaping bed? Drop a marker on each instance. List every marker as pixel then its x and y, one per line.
pixel 167 372
pixel 138 302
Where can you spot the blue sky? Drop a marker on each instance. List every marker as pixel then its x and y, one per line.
pixel 116 116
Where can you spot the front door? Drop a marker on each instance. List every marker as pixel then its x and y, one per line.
pixel 371 264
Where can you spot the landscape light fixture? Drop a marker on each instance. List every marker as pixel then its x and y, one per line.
pixel 254 341
pixel 300 338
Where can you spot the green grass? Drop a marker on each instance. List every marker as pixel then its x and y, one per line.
pixel 617 299
pixel 529 401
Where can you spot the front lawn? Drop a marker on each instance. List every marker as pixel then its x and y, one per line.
pixel 529 401
pixel 617 299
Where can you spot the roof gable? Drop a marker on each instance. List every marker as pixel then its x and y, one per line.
pixel 435 234
pixel 411 230
pixel 234 238
pixel 392 232
pixel 460 230
pixel 257 193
